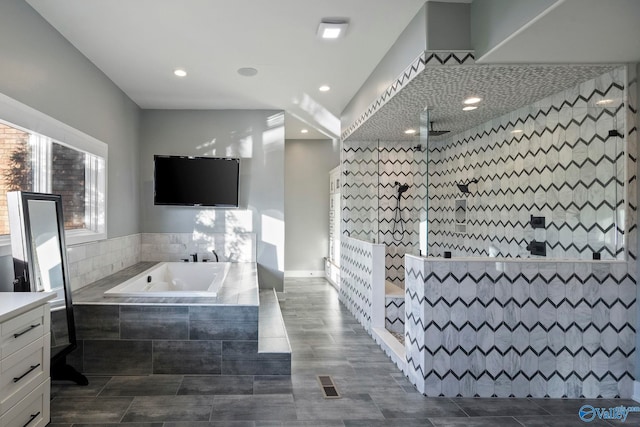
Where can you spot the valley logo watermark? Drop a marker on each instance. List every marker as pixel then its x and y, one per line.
pixel 588 413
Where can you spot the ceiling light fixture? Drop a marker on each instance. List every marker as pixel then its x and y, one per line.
pixel 180 72
pixel 247 71
pixel 304 131
pixel 324 88
pixel 471 100
pixel 517 131
pixel 331 29
pixel 410 131
pixel 469 108
pixel 604 102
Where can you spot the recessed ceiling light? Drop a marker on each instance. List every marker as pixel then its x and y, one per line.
pixel 471 100
pixel 304 131
pixel 410 131
pixel 247 71
pixel 324 88
pixel 469 108
pixel 332 28
pixel 180 72
pixel 605 102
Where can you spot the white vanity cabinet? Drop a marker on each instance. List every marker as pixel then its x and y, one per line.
pixel 25 356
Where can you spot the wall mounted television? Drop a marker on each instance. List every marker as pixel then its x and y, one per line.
pixel 196 181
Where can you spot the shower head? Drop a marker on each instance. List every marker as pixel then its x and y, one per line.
pixel 436 132
pixel 464 188
pixel 402 188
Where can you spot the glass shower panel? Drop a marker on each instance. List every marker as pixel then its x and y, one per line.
pixel 550 184
pixel 360 188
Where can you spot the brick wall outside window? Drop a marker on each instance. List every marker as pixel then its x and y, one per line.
pixel 15 168
pixel 68 175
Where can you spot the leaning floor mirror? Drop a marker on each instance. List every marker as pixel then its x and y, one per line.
pixel 40 265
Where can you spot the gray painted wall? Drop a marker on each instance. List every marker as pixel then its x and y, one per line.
pixel 410 44
pixel 44 71
pixel 492 21
pixel 448 26
pixel 257 137
pixel 307 166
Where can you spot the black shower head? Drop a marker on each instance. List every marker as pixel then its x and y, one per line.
pixel 464 188
pixel 436 132
pixel 402 188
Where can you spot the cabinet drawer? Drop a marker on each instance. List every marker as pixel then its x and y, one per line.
pixel 23 371
pixel 32 411
pixel 19 331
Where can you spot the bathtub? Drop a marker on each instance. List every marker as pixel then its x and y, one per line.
pixel 175 279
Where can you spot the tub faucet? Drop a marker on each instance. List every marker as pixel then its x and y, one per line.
pixel 215 255
pixel 194 257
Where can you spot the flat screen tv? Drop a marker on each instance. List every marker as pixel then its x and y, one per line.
pixel 196 181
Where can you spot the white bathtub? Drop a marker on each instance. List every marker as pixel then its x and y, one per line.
pixel 175 279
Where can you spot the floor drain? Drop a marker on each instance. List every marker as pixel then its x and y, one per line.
pixel 328 387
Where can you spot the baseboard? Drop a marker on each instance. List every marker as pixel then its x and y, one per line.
pixel 304 273
pixel 636 391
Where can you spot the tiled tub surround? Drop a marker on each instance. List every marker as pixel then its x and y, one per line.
pixel 555 159
pixel 515 328
pixel 140 336
pixel 89 262
pixel 230 247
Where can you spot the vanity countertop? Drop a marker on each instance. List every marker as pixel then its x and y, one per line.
pixel 15 303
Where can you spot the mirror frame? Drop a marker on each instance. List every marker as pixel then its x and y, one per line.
pixel 23 256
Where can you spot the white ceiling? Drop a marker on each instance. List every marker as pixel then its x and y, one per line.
pixel 138 44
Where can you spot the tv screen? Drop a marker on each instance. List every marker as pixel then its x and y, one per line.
pixel 196 181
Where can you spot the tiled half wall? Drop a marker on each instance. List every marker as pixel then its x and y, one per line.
pixel 562 158
pixel 516 328
pixel 362 281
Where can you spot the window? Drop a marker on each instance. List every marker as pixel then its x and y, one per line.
pixel 57 159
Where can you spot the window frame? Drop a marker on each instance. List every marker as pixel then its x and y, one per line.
pixel 14 113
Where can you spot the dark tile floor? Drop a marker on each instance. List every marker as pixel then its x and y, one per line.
pixel 326 340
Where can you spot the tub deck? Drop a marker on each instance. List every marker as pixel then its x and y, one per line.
pixel 241 289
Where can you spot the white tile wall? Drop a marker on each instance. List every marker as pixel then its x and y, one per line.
pixel 93 261
pixel 89 262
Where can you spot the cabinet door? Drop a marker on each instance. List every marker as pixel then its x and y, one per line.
pixel 23 371
pixel 21 330
pixel 32 411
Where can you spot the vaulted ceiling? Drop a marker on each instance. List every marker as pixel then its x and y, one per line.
pixel 138 44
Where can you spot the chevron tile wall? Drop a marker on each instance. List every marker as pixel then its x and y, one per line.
pixel 394 314
pixel 530 328
pixel 562 158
